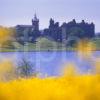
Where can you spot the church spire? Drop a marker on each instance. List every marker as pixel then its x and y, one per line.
pixel 35 17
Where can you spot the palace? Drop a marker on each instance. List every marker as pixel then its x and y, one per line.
pixel 72 28
pixel 31 32
pixel 34 26
pixel 28 33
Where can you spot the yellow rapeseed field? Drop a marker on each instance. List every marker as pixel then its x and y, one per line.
pixel 85 87
pixel 69 86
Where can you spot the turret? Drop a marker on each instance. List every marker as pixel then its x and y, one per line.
pixel 35 23
pixel 51 23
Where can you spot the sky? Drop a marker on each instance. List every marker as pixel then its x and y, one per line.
pixel 13 12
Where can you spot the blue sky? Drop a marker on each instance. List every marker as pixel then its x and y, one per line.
pixel 13 12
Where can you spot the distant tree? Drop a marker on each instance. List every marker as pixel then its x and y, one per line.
pixel 6 36
pixel 8 44
pixel 72 41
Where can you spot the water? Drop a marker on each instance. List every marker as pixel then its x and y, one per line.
pixel 51 63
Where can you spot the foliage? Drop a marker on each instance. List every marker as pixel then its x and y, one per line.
pixel 6 37
pixel 85 87
pixel 96 42
pixel 7 70
pixel 26 69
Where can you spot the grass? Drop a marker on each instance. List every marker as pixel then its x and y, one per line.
pixel 44 44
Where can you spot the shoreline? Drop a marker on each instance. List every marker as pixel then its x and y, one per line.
pixel 11 50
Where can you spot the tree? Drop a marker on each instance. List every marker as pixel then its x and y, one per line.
pixel 7 37
pixel 26 69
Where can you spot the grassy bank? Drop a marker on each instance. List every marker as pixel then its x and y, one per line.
pixel 44 44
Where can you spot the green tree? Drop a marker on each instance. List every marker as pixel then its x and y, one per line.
pixel 26 69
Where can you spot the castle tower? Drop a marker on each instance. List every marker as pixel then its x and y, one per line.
pixel 51 23
pixel 35 23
